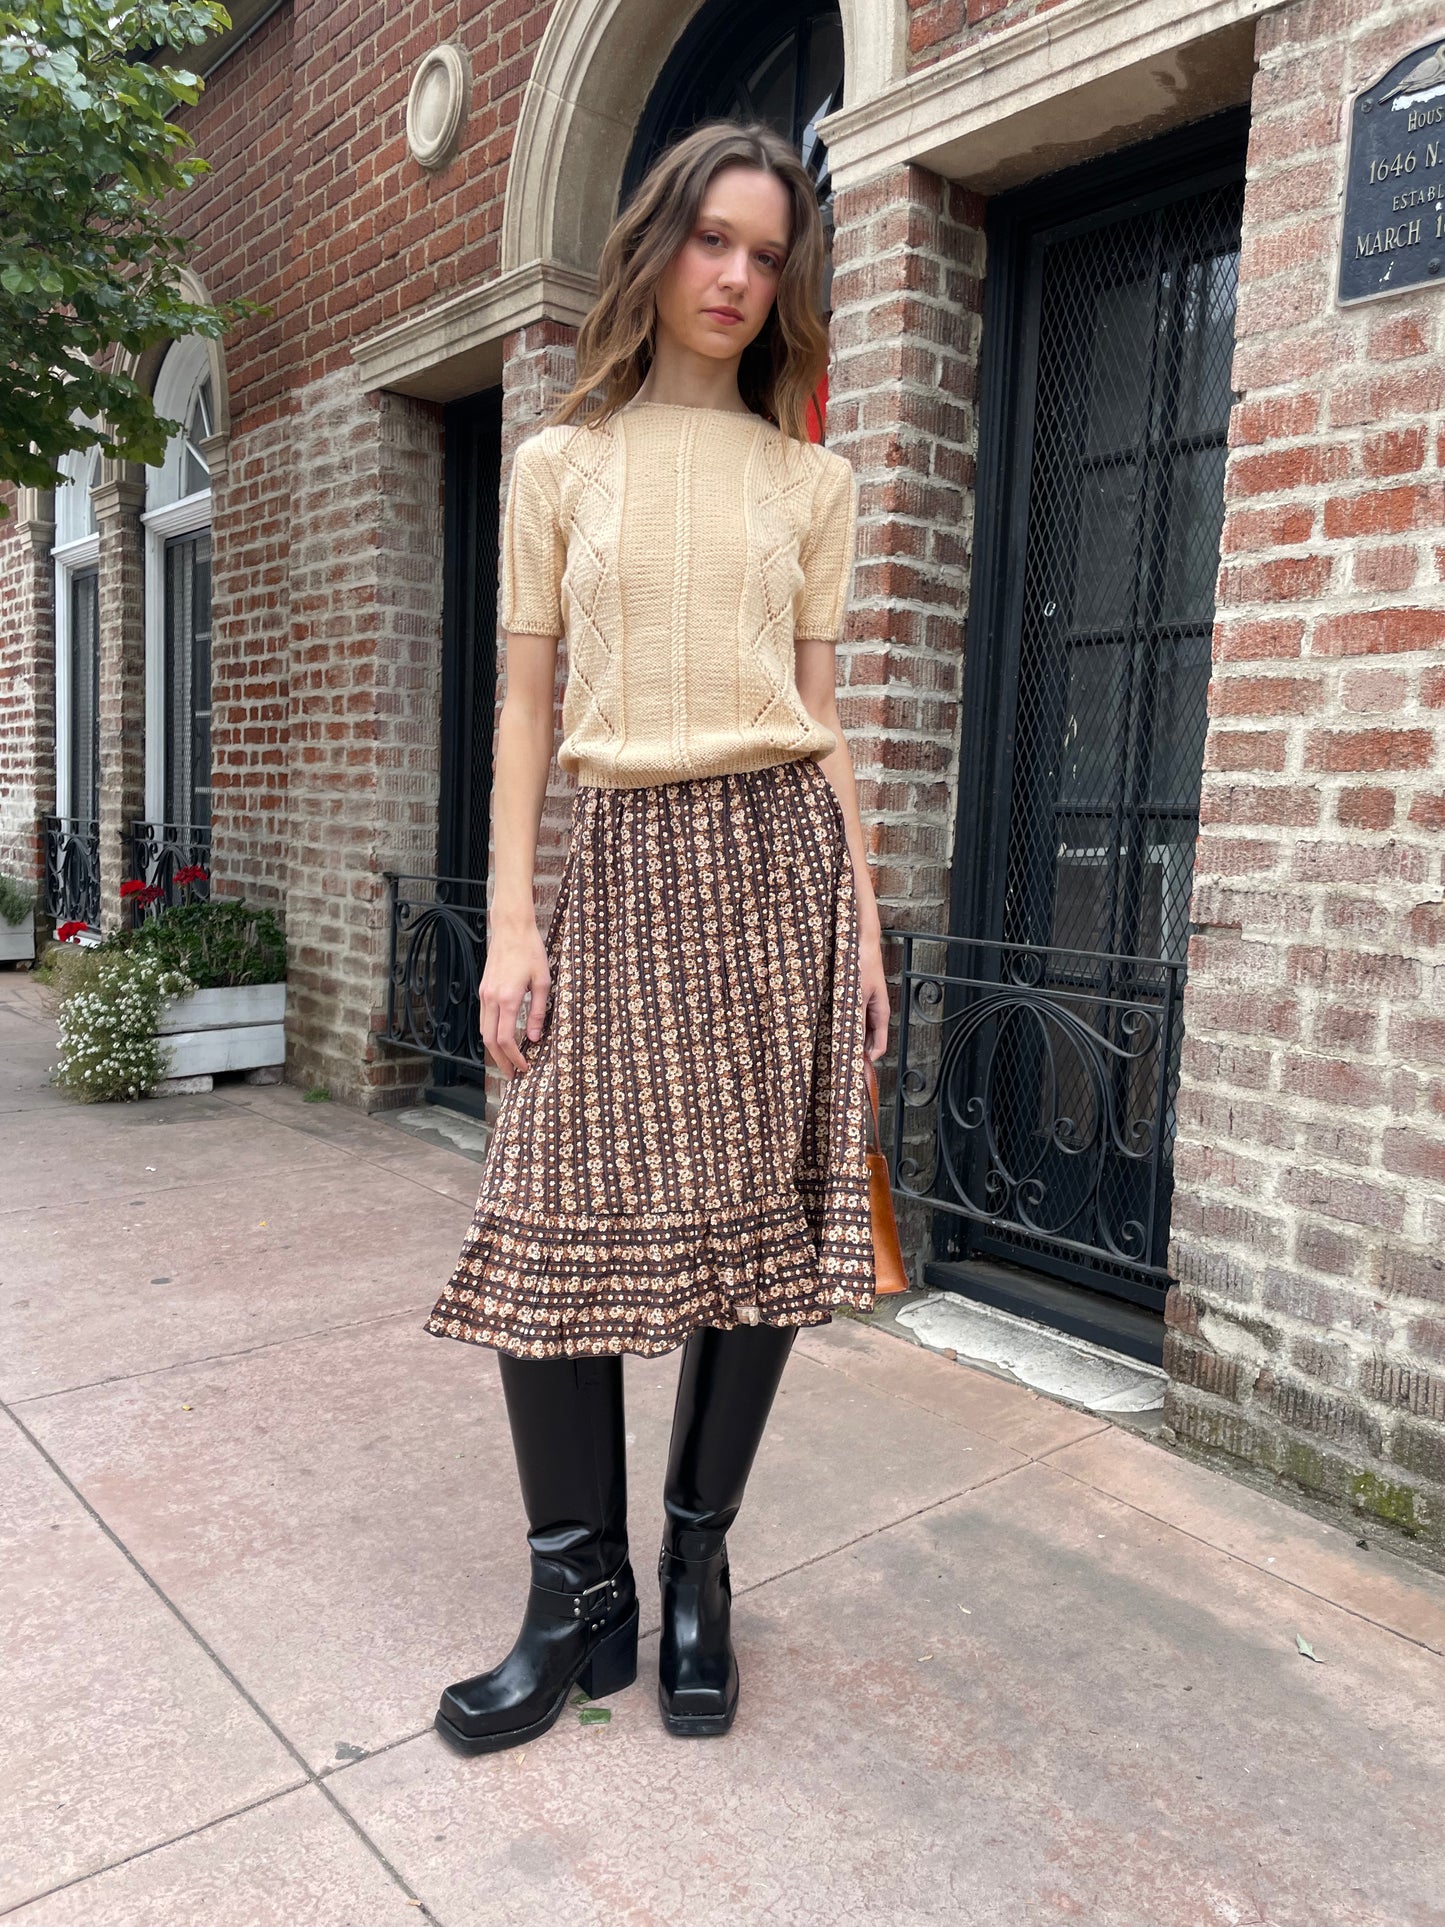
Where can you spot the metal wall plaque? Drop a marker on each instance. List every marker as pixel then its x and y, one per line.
pixel 1394 225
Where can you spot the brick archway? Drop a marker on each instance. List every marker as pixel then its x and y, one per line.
pixel 594 70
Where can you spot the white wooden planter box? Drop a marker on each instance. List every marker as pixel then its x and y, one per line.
pixel 224 1030
pixel 17 940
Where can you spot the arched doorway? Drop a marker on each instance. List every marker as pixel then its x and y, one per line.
pixel 782 64
pixel 603 67
pixel 745 60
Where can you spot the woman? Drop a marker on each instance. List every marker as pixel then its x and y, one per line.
pixel 678 1155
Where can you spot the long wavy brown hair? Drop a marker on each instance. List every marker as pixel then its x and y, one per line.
pixel 781 368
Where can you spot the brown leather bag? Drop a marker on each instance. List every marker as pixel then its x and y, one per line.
pixel 890 1272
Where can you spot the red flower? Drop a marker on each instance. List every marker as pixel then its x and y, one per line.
pixel 191 873
pixel 148 894
pixel 132 887
pixel 72 929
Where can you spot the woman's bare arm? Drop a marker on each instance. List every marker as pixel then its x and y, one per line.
pixel 516 955
pixel 816 676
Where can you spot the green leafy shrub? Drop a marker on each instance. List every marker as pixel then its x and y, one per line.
pixel 109 1000
pixel 17 900
pixel 218 945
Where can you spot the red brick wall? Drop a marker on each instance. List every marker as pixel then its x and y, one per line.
pixel 27 696
pixel 376 236
pixel 940 27
pixel 237 218
pixel 251 662
pixel 314 202
pixel 1309 1215
pixel 364 716
pixel 903 409
pixel 122 695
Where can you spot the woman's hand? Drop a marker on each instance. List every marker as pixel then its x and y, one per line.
pixel 873 991
pixel 516 964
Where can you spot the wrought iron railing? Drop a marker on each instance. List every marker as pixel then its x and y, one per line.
pixel 72 870
pixel 158 851
pixel 436 954
pixel 1035 1096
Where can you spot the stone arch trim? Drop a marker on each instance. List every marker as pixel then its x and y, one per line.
pixel 596 65
pixel 145 368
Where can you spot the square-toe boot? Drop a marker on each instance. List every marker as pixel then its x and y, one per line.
pixel 579 1627
pixel 725 1391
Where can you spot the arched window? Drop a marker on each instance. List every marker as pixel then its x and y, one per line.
pixel 77 639
pixel 178 613
pixel 779 61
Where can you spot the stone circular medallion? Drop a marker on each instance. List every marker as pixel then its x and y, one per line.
pixel 437 105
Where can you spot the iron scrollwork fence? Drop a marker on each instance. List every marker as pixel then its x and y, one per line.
pixel 158 850
pixel 1037 1087
pixel 437 951
pixel 72 870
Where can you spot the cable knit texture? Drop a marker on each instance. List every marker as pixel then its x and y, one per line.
pixel 680 551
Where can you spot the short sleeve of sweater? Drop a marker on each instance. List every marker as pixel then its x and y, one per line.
pixel 534 550
pixel 826 553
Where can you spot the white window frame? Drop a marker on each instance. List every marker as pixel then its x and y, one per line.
pixel 184 369
pixel 191 513
pixel 70 556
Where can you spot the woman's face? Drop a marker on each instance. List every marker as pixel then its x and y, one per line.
pixel 718 289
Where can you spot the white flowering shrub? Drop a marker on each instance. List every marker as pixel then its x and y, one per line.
pixel 107 1016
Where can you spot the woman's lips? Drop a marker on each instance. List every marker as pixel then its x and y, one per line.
pixel 730 316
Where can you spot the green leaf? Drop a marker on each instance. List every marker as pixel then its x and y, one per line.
pixel 595 1715
pixel 1308 1650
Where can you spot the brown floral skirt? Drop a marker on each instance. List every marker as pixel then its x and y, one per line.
pixel 686 1144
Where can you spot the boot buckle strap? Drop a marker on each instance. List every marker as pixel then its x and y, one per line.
pixel 595 1614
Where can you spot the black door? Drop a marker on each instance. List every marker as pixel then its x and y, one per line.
pixel 473 433
pixel 1101 497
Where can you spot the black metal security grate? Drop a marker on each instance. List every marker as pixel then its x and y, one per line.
pixel 436 954
pixel 1056 1105
pixel 1136 336
pixel 158 851
pixel 72 869
pixel 1050 1092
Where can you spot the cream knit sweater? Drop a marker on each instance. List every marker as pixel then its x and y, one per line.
pixel 680 551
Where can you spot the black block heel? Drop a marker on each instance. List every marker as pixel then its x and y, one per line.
pixel 614 1663
pixel 579 1626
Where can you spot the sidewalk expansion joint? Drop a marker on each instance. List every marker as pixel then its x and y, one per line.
pixel 312 1778
pixel 156 1846
pixel 1243 1559
pixel 218 1358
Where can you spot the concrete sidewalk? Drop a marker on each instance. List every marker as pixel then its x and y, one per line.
pixel 1003 1661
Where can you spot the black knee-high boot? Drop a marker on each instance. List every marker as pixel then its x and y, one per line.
pixel 580 1622
pixel 725 1391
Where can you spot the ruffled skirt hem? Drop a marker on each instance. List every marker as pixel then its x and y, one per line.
pixel 593 1285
